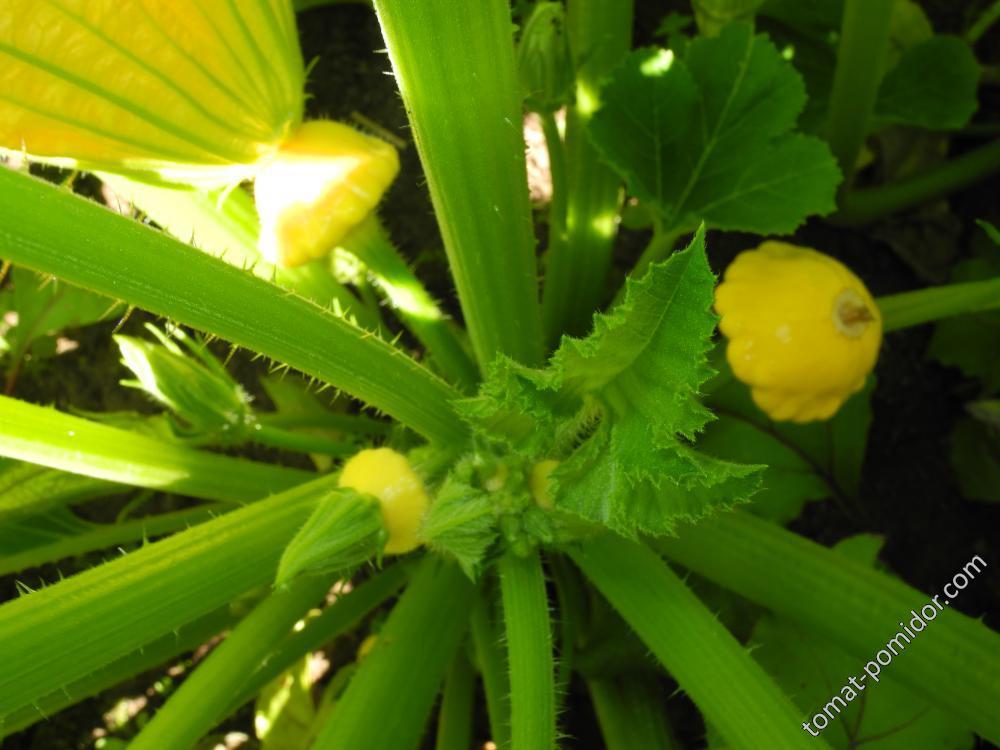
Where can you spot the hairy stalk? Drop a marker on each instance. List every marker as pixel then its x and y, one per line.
pixel 398 681
pixel 953 663
pixel 414 304
pixel 600 33
pixel 341 616
pixel 110 611
pixel 29 489
pixel 490 657
pixel 731 689
pixel 454 728
pixel 465 110
pixel 925 305
pixel 630 712
pixel 864 206
pixel 47 229
pixel 98 536
pixel 301 442
pixel 354 424
pixel 529 649
pixel 45 436
pixel 196 707
pixel 184 639
pixel 864 41
pixel 224 223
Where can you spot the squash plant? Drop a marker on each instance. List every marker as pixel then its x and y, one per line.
pixel 540 474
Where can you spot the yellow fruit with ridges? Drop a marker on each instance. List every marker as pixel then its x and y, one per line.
pixel 803 330
pixel 388 476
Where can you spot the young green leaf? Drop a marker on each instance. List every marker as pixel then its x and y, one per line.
pixel 621 407
pixel 461 523
pixel 33 313
pixel 708 137
pixel 934 85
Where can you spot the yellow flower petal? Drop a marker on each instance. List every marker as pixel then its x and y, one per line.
pixel 186 89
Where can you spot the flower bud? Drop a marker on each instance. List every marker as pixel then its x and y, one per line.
pixel 544 63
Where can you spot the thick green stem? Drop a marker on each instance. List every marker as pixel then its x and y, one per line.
pixel 301 442
pixel 953 663
pixel 45 436
pixel 463 101
pixel 199 703
pixel 389 699
pixel 926 305
pixel 454 729
pixel 731 689
pixel 864 206
pixel 630 711
pixel 864 41
pixel 486 640
pixel 110 611
pixel 600 33
pixel 338 618
pixel 408 296
pixel 352 424
pixel 54 231
pixel 224 223
pixel 29 489
pixel 529 650
pixel 185 638
pixel 104 536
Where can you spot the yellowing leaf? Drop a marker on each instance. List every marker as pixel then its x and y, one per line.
pixel 186 89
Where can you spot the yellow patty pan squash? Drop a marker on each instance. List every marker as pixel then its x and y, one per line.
pixel 388 476
pixel 199 93
pixel 803 331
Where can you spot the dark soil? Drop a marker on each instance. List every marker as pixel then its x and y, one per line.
pixel 909 493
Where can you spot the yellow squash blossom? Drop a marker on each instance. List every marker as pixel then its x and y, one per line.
pixel 205 93
pixel 803 331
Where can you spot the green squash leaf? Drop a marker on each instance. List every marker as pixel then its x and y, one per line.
pixel 709 137
pixel 804 462
pixel 934 86
pixel 621 407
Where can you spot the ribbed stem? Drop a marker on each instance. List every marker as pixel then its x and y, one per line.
pixel 600 33
pixel 200 701
pixel 54 231
pixel 529 653
pixel 454 728
pixel 110 611
pixel 953 663
pixel 486 639
pixel 454 63
pixel 388 701
pixel 864 41
pixel 630 710
pixel 333 621
pixel 414 304
pixel 731 689
pixel 45 436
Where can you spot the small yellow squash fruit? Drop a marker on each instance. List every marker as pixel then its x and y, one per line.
pixel 803 331
pixel 321 183
pixel 388 476
pixel 540 483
